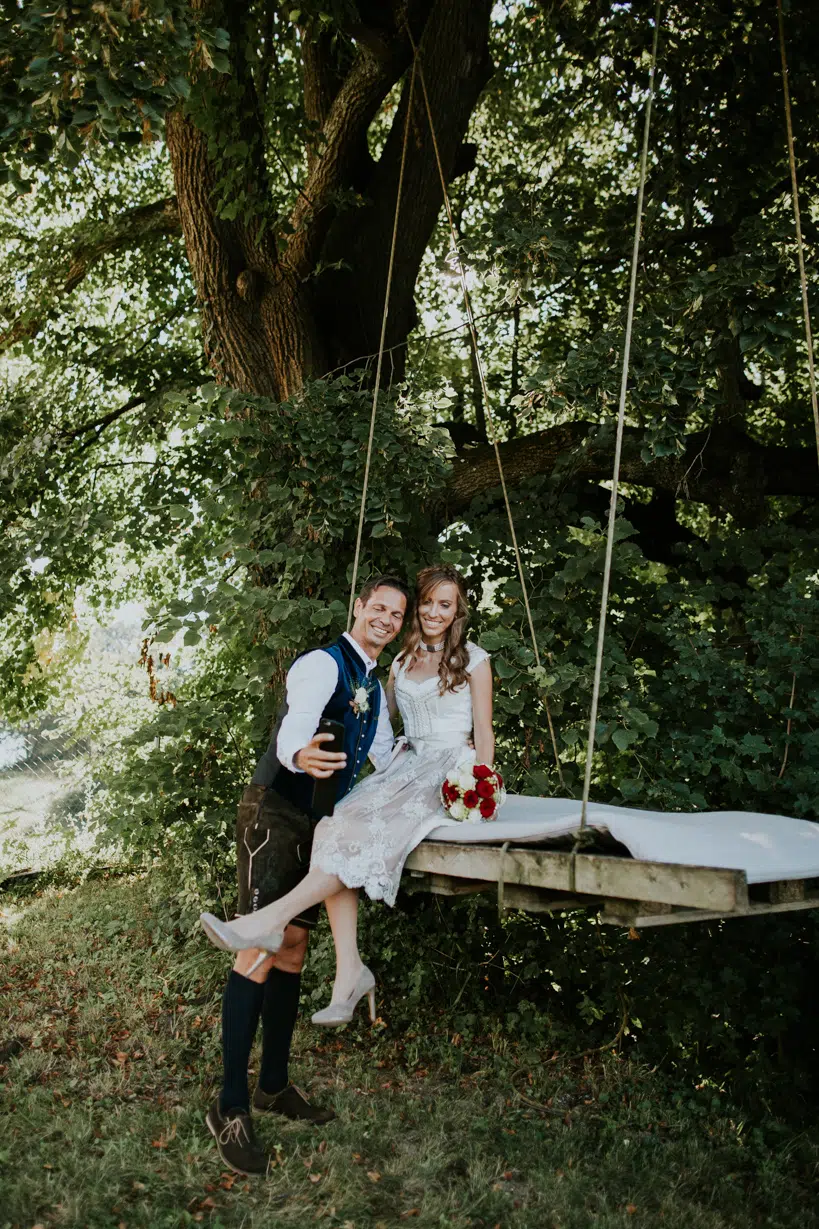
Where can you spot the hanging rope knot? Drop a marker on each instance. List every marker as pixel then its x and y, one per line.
pixel 583 839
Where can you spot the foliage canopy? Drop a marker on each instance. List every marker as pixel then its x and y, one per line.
pixel 195 238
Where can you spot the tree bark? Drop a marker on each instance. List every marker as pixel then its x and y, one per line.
pixel 349 302
pixel 723 468
pixel 269 323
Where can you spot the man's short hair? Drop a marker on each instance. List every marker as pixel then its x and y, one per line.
pixel 387 581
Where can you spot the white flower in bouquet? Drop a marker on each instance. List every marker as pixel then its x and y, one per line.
pixel 465 779
pixel 474 816
pixel 457 810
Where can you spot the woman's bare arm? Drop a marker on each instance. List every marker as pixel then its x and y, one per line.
pixel 480 683
pixel 390 690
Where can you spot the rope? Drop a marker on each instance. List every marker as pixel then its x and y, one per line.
pixel 800 247
pixel 621 418
pixel 381 345
pixel 479 367
pixel 501 879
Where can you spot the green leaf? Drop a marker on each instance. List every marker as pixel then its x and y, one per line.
pixel 622 739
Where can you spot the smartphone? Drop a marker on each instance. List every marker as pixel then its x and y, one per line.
pixel 324 792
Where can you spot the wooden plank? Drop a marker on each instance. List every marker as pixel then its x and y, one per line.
pixel 698 887
pixel 786 891
pixel 447 885
pixel 537 900
pixel 641 921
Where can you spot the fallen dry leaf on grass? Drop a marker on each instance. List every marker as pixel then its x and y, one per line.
pixel 373 1175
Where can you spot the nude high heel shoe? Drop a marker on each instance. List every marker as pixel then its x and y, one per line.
pixel 336 1014
pixel 222 935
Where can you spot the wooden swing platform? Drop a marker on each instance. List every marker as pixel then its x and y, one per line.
pixel 624 891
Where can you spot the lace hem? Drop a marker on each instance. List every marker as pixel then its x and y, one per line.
pixel 369 873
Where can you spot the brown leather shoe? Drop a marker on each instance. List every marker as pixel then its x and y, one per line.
pixel 291 1102
pixel 236 1140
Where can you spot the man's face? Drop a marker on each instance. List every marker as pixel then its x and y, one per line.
pixel 378 620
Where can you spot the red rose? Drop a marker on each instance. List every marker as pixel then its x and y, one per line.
pixel 481 771
pixel 488 808
pixel 452 792
pixel 499 778
pixel 486 789
pixel 471 798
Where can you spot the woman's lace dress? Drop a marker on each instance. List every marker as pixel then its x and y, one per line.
pixel 373 830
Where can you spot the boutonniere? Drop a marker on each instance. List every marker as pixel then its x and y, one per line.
pixel 360 702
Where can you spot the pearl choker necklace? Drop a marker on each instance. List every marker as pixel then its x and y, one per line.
pixel 432 648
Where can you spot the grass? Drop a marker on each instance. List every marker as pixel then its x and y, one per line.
pixel 109 1056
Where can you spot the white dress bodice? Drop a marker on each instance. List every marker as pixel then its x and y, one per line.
pixel 431 720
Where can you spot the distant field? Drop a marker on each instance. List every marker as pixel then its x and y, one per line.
pixel 26 797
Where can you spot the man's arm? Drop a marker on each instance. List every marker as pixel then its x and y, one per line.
pixel 311 682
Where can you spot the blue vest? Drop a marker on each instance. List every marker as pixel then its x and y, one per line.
pixel 359 732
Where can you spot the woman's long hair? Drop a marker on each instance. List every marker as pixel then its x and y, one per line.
pixel 455 655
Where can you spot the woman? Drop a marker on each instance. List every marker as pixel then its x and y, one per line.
pixel 441 684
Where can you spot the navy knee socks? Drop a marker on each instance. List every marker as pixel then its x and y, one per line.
pixel 241 1008
pixel 279 1011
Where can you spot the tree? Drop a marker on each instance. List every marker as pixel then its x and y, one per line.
pixel 268 144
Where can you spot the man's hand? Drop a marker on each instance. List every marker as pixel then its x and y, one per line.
pixel 316 762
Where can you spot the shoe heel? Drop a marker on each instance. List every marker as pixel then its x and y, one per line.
pixel 371 1001
pixel 257 963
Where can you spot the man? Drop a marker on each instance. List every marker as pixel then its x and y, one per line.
pixel 274 837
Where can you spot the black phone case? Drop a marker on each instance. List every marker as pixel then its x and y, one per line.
pixel 324 792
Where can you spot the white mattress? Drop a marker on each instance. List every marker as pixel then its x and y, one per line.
pixel 765 847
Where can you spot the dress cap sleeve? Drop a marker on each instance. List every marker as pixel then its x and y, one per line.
pixel 476 656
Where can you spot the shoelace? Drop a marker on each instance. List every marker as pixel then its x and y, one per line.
pixel 232 1131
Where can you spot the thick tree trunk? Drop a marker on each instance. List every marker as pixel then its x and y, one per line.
pixel 257 329
pixel 268 323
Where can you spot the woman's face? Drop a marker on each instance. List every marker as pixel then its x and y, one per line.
pixel 437 611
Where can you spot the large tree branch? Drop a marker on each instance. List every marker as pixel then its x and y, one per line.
pixel 128 230
pixel 345 106
pixel 351 114
pixel 723 468
pixel 456 64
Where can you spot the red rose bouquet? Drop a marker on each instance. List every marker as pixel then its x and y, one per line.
pixel 473 793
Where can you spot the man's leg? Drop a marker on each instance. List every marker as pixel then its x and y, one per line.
pixel 280 1009
pixel 229 1118
pixel 241 1008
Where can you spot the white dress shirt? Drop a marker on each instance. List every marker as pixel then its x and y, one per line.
pixel 311 682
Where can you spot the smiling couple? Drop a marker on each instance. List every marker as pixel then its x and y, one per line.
pixel 441 686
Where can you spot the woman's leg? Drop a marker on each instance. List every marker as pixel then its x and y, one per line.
pixel 316 886
pixel 342 910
